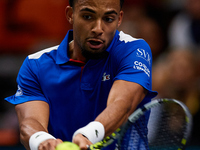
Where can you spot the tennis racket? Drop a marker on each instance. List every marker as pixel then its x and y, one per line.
pixel 162 124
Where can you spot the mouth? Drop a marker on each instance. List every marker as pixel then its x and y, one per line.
pixel 95 43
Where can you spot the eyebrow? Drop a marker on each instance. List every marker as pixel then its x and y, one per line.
pixel 92 11
pixel 88 9
pixel 111 12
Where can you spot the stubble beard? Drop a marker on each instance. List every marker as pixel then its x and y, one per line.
pixel 88 54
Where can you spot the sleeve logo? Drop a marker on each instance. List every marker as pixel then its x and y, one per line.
pixel 140 66
pixel 144 55
pixel 19 91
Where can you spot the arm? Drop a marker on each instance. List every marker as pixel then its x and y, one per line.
pixel 33 116
pixel 122 101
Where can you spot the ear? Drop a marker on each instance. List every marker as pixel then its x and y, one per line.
pixel 121 14
pixel 69 14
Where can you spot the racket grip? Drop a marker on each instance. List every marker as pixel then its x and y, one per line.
pixel 89 148
pixel 94 147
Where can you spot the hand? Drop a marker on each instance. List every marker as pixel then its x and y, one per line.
pixel 49 144
pixel 81 141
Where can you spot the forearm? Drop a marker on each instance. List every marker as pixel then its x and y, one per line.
pixel 114 116
pixel 33 116
pixel 27 128
pixel 123 99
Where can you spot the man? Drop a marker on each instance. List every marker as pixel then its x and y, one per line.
pixel 85 88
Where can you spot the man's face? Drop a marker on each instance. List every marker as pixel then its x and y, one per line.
pixel 95 23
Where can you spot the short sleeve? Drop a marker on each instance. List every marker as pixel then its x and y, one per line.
pixel 28 84
pixel 135 65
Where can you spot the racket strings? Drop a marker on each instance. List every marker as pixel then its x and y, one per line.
pixel 167 126
pixel 135 137
pixel 166 130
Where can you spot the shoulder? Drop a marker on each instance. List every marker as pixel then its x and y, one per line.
pixel 127 44
pixel 34 61
pixel 123 37
pixel 38 54
pixel 128 40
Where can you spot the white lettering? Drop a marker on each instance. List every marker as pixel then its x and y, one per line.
pixel 141 66
pixel 144 55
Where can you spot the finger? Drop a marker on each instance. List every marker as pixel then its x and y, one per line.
pixel 81 141
pixel 58 141
pixel 83 146
pixel 49 144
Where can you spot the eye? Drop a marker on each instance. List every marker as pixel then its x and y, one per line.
pixel 87 17
pixel 109 19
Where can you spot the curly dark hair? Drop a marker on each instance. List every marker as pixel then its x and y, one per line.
pixel 71 3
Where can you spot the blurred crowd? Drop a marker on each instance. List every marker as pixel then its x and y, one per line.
pixel 170 27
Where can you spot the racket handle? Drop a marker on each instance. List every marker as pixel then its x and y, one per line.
pixel 89 148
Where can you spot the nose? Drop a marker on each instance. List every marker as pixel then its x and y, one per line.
pixel 97 29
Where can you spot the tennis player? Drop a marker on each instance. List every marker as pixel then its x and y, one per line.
pixel 85 88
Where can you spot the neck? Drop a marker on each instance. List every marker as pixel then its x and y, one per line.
pixel 74 53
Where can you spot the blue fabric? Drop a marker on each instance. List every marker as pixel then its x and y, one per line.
pixel 77 95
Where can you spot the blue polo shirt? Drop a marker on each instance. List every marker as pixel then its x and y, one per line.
pixel 77 92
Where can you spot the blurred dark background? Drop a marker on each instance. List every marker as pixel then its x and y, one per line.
pixel 171 27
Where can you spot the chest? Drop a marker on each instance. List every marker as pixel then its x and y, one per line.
pixel 74 81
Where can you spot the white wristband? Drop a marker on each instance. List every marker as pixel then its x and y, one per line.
pixel 94 131
pixel 38 138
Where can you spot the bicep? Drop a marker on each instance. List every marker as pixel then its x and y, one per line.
pixel 37 111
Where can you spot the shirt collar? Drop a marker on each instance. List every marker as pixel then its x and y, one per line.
pixel 113 41
pixel 62 51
